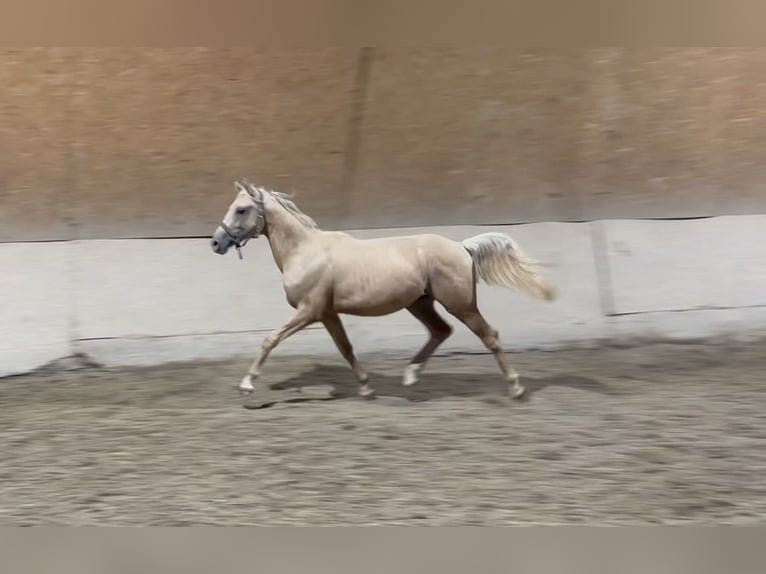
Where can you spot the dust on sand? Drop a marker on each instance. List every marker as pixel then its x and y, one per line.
pixel 657 434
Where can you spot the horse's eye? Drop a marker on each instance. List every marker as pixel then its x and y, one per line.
pixel 241 211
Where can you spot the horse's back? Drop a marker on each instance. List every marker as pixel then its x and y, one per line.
pixel 418 248
pixel 374 276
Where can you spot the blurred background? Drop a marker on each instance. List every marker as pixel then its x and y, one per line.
pixel 638 175
pixel 145 142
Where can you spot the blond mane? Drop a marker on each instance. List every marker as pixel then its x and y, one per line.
pixel 285 201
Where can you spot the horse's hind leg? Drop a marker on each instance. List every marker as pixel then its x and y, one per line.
pixel 334 326
pixel 438 330
pixel 489 336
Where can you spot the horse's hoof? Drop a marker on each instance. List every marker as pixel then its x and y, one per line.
pixel 365 391
pixel 411 375
pixel 517 391
pixel 246 385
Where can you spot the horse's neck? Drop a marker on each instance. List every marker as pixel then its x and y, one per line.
pixel 285 234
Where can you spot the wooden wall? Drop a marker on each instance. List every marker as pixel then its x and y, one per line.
pixel 133 142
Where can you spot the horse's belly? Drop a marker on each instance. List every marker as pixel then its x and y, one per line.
pixel 371 310
pixel 375 296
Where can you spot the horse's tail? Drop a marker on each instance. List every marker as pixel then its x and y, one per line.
pixel 500 261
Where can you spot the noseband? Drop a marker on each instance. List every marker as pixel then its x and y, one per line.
pixel 260 222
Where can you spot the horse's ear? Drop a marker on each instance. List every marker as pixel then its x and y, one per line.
pixel 238 186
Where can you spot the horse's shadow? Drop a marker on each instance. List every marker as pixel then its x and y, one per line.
pixel 432 386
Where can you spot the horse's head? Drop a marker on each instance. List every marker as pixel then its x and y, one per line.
pixel 243 220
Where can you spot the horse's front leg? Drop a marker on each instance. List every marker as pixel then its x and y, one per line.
pixel 300 320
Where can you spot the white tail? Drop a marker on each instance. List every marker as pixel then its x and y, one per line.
pixel 500 261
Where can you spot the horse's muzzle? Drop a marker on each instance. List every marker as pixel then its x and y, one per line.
pixel 219 246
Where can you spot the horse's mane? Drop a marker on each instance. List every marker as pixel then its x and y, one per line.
pixel 286 201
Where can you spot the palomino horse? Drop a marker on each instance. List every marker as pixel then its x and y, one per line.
pixel 328 273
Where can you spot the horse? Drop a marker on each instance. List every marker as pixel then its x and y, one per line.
pixel 326 274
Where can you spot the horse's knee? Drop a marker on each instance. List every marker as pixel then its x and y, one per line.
pixel 442 333
pixel 268 344
pixel 493 345
pixel 492 340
